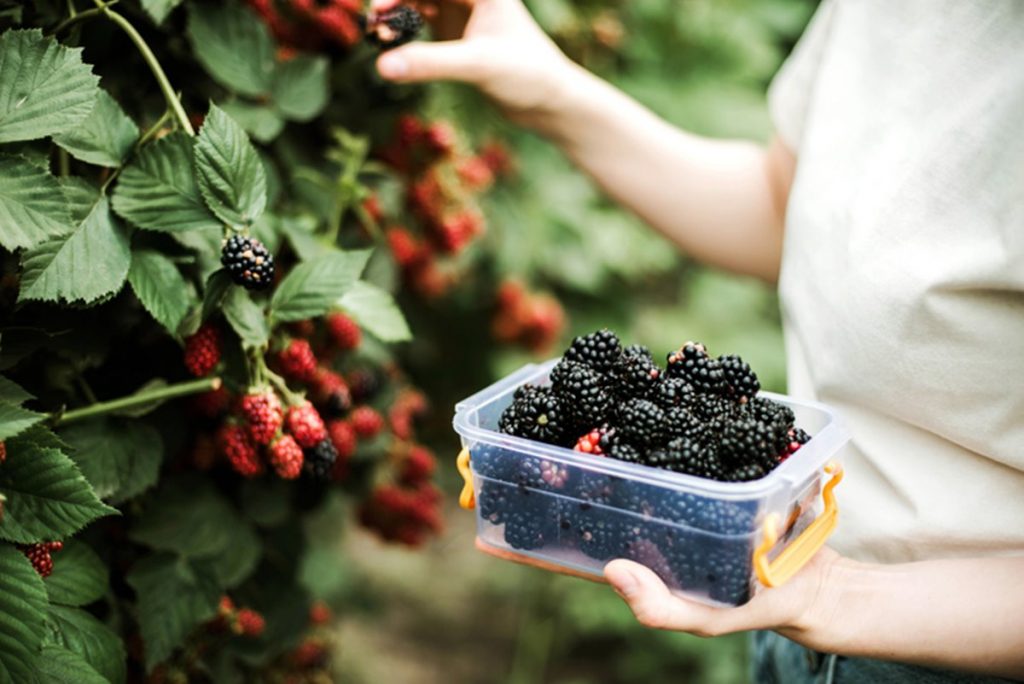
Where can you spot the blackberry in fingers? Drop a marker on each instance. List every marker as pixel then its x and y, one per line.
pixel 393 27
pixel 741 382
pixel 599 350
pixel 692 363
pixel 248 262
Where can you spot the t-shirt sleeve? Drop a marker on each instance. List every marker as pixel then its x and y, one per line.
pixel 789 94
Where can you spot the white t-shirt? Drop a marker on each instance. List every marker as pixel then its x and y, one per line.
pixel 902 278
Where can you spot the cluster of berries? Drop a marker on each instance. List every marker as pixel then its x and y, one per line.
pixel 405 512
pixel 241 621
pixel 699 414
pixel 532 320
pixel 39 555
pixel 324 24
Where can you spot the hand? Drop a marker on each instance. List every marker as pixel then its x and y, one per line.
pixel 792 609
pixel 492 44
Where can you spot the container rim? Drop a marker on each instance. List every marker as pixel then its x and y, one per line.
pixel 823 444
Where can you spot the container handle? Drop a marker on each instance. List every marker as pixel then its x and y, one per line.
pixel 777 572
pixel 467 499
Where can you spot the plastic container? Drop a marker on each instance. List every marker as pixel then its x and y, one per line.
pixel 715 542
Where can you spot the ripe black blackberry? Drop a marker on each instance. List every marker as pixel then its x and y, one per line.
pixel 248 262
pixel 599 350
pixel 635 374
pixel 540 473
pixel 641 422
pixel 681 422
pixel 693 456
pixel 692 363
pixel 600 535
pixel 537 414
pixel 528 528
pixel 393 27
pixel 747 473
pixel 495 500
pixel 768 411
pixel 624 451
pixel 714 411
pixel 741 382
pixel 669 393
pixel 494 462
pixel 582 390
pixel 747 441
pixel 595 488
pixel 319 459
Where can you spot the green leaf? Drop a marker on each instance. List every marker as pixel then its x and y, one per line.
pixel 15 419
pixel 32 207
pixel 121 459
pixel 160 287
pixel 234 46
pixel 105 137
pixel 259 121
pixel 187 516
pixel 313 287
pixel 235 563
pixel 84 635
pixel 376 310
pixel 58 665
pixel 86 266
pixel 11 392
pixel 158 191
pixel 79 576
pixel 300 233
pixel 45 89
pixel 246 318
pixel 217 287
pixel 174 597
pixel 22 615
pixel 81 197
pixel 230 175
pixel 159 9
pixel 301 87
pixel 47 497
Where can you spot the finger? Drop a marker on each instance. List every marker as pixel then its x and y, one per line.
pixel 446 61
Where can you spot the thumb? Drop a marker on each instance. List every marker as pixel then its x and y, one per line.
pixel 455 60
pixel 644 592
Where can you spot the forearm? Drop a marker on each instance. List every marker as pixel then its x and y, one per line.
pixel 960 614
pixel 721 201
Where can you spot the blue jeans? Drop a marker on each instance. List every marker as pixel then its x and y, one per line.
pixel 777 660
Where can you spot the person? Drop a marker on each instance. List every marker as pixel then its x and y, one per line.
pixel 889 208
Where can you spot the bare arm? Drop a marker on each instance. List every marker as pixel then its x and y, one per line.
pixel 720 201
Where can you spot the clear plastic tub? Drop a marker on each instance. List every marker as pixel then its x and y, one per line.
pixel 715 542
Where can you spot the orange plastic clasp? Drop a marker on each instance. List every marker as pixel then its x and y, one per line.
pixel 777 572
pixel 467 499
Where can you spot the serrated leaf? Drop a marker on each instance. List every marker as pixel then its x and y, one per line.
pixel 47 497
pixel 86 266
pixel 80 195
pixel 266 502
pixel 259 121
pixel 15 419
pixel 105 137
pixel 32 207
pixel 22 615
pixel 299 231
pixel 229 172
pixel 160 287
pixel 79 576
pixel 159 9
pixel 174 597
pixel 120 458
pixel 235 563
pixel 12 392
pixel 38 436
pixel 186 516
pixel 313 287
pixel 217 287
pixel 158 190
pixel 234 46
pixel 84 635
pixel 45 89
pixel 376 311
pixel 246 318
pixel 58 665
pixel 301 87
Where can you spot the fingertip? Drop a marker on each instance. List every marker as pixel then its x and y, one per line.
pixel 393 65
pixel 622 576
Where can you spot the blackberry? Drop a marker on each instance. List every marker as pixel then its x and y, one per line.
pixel 649 554
pixel 662 458
pixel 527 528
pixel 495 501
pixel 768 411
pixel 693 456
pixel 672 392
pixel 798 435
pixel 641 422
pixel 599 350
pixel 583 389
pixel 682 423
pixel 540 473
pixel 537 414
pixel 494 462
pixel 624 451
pixel 741 382
pixel 319 459
pixel 638 350
pixel 635 374
pixel 248 262
pixel 692 363
pixel 726 571
pixel 597 441
pixel 747 473
pixel 393 27
pixel 596 488
pixel 715 411
pixel 600 536
pixel 749 441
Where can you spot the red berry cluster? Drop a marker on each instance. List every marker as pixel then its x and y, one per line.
pixel 242 621
pixel 407 407
pixel 312 25
pixel 202 350
pixel 532 320
pixel 3 451
pixel 39 555
pixel 403 514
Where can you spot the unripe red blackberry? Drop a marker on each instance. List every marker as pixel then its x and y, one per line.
pixel 344 332
pixel 263 414
pixel 233 441
pixel 248 262
pixel 319 613
pixel 306 425
pixel 39 556
pixel 297 361
pixel 202 350
pixel 405 248
pixel 286 457
pixel 367 422
pixel 343 437
pixel 249 623
pixel 419 465
pixel 212 404
pixel 3 451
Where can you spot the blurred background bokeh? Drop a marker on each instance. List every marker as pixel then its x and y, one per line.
pixel 447 613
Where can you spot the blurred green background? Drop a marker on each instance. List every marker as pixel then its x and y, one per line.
pixel 449 613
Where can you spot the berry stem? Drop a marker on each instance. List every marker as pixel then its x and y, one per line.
pixel 100 408
pixel 79 16
pixel 161 78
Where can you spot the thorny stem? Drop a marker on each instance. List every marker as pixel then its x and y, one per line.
pixel 101 408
